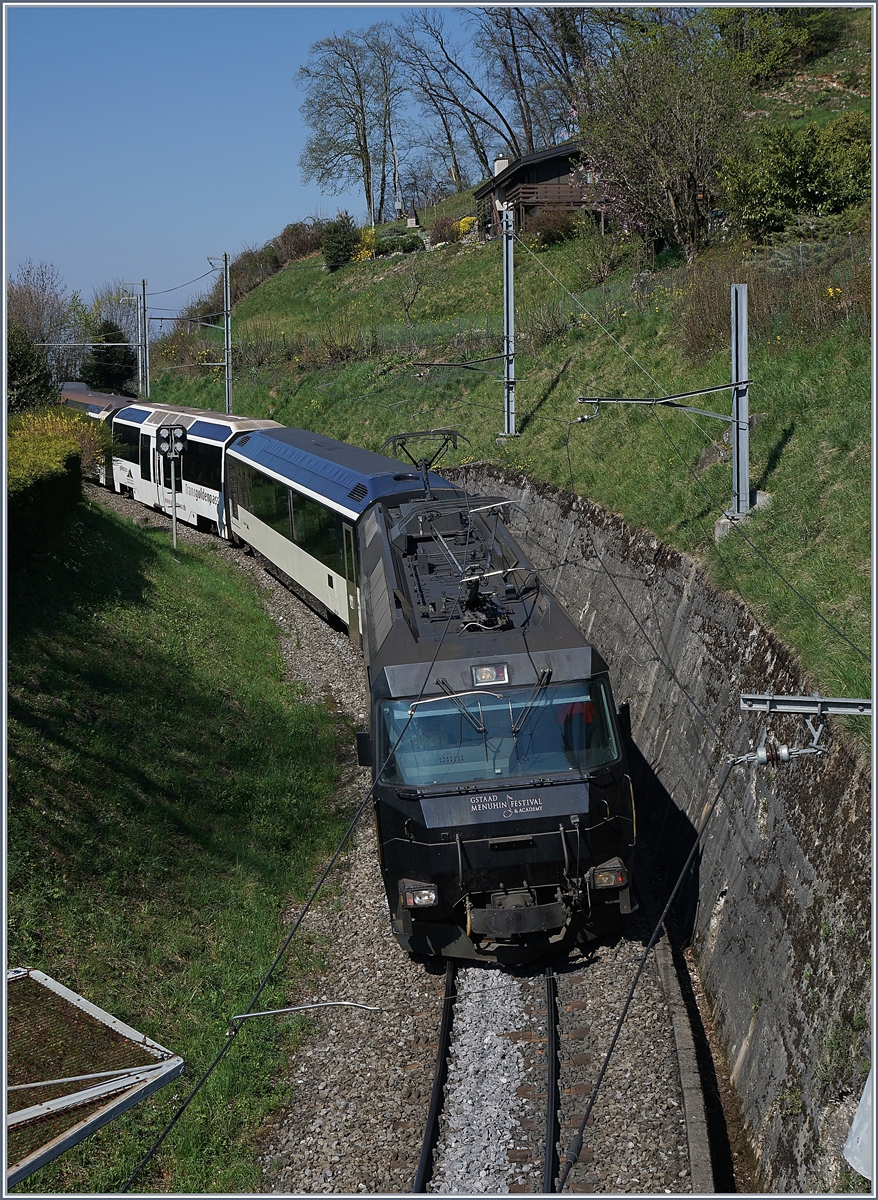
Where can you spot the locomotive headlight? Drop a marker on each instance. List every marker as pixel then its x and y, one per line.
pixel 418 895
pixel 609 875
pixel 488 673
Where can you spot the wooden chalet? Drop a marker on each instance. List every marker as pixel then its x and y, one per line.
pixel 530 184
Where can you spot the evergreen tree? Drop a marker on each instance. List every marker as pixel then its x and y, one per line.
pixel 28 379
pixel 340 240
pixel 110 368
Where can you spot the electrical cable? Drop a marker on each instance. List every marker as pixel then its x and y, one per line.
pixel 604 329
pixel 165 291
pixel 699 482
pixel 233 1031
pixel 736 525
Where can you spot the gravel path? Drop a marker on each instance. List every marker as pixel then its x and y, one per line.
pixel 361 1082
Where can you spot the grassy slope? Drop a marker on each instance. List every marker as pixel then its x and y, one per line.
pixel 811 451
pixel 165 804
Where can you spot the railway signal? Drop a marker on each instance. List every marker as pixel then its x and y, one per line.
pixel 171 443
pixel 172 440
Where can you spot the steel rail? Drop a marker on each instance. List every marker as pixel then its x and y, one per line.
pixel 431 1132
pixel 553 1098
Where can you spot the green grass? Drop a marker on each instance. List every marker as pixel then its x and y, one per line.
pixel 811 450
pixel 822 88
pixel 168 796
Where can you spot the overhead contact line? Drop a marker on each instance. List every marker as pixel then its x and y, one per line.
pixel 234 1027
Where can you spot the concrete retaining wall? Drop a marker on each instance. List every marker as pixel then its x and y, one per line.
pixel 778 906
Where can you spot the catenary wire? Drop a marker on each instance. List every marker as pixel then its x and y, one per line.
pixel 699 482
pixel 736 525
pixel 165 291
pixel 575 1147
pixel 604 329
pixel 232 1032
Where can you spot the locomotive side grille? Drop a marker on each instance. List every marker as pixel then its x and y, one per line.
pixel 358 492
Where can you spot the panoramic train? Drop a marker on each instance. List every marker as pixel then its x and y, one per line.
pixel 502 796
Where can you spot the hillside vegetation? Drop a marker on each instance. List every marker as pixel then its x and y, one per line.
pixel 152 885
pixel 377 347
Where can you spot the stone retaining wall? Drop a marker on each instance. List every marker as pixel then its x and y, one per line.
pixel 778 905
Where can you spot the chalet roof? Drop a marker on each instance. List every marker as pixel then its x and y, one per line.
pixel 565 150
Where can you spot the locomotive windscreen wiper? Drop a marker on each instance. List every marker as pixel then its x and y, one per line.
pixel 541 683
pixel 477 724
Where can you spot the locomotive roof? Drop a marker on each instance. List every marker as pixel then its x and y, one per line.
pixel 347 478
pixel 447 584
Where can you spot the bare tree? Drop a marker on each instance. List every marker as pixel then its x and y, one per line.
pixel 419 271
pixel 655 122
pixel 114 301
pixel 352 100
pixel 439 74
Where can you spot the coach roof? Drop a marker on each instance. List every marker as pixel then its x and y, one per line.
pixel 347 477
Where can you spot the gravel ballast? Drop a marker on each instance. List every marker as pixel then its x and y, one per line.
pixel 360 1082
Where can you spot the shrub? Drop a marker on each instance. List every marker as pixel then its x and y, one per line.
pixel 466 225
pixel 300 239
pixel 444 229
pixel 544 323
pixel 367 246
pixel 808 172
pixel 44 483
pixel 92 437
pixel 551 226
pixel 798 287
pixel 250 268
pixel 340 241
pixel 406 243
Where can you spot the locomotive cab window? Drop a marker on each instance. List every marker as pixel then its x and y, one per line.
pixel 566 730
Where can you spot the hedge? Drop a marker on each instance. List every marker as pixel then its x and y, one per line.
pixel 44 484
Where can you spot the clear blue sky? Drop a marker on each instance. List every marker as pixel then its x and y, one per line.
pixel 140 140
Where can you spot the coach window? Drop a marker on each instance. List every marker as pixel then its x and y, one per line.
pixel 126 442
pixel 271 503
pixel 239 481
pixel 145 448
pixel 203 465
pixel 316 530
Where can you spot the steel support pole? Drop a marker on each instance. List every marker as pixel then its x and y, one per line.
pixel 227 325
pixel 145 342
pixel 174 498
pixel 740 404
pixel 508 323
pixel 139 319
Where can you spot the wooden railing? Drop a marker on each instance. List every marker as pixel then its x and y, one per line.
pixel 527 194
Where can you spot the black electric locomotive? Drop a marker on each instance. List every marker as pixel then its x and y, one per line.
pixel 504 805
pixel 503 802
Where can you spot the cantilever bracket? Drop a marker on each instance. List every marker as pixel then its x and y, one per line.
pixel 807 706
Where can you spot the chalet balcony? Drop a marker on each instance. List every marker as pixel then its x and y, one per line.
pixel 525 196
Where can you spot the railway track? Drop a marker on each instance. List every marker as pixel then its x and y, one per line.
pixel 518 1057
pixel 372 1080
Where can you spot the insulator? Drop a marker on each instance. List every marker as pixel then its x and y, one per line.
pixel 772 754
